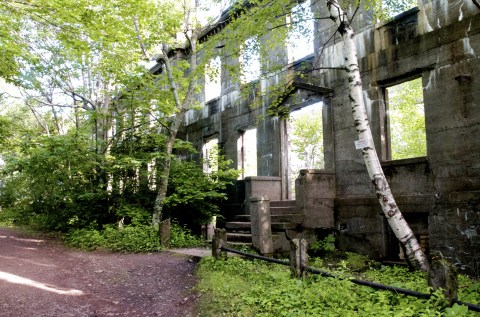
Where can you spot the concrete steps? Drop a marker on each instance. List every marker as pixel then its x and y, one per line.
pixel 284 216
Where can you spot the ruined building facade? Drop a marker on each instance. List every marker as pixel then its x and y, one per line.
pixel 437 42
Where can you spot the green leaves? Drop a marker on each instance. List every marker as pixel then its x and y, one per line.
pixel 407 120
pixel 194 194
pixel 238 287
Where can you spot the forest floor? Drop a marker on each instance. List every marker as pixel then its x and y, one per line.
pixel 41 277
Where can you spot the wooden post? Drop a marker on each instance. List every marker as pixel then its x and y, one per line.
pixel 165 233
pixel 219 241
pixel 443 275
pixel 298 257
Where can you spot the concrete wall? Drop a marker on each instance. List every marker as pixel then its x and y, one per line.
pixel 440 194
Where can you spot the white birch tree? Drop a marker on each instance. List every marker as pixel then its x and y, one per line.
pixel 390 209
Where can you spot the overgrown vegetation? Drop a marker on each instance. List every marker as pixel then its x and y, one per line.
pixel 130 238
pixel 238 287
pixel 59 183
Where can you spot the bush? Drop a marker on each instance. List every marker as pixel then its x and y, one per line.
pixel 129 238
pixel 181 237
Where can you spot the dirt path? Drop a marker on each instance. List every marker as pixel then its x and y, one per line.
pixel 40 277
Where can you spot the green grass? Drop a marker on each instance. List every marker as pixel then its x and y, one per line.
pixel 237 287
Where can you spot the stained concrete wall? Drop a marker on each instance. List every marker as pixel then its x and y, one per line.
pixel 438 193
pixel 439 41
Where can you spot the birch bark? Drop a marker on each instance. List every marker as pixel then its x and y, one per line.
pixel 392 213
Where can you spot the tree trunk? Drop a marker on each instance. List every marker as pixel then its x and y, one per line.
pixel 181 108
pixel 164 174
pixel 390 209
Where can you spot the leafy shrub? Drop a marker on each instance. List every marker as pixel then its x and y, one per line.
pixel 126 239
pixel 12 216
pixel 129 238
pixel 193 196
pixel 85 239
pixel 181 237
pixel 325 246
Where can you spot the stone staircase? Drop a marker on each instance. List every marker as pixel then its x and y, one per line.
pixel 284 216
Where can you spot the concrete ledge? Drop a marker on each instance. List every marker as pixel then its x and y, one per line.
pixel 419 200
pixel 409 161
pixel 263 178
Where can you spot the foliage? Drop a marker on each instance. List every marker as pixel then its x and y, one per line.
pixel 54 180
pixel 195 195
pixel 237 287
pixel 393 7
pixel 325 246
pixel 130 238
pixel 55 183
pixel 407 120
pixel 181 237
pixel 307 138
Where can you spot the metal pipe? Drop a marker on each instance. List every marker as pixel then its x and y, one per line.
pixel 394 289
pixel 255 256
pixel 470 306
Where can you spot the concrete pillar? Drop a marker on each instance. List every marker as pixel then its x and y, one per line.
pixel 261 228
pixel 262 186
pixel 315 194
pixel 208 229
pixel 298 257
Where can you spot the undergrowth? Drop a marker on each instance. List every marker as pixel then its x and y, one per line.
pixel 238 287
pixel 129 238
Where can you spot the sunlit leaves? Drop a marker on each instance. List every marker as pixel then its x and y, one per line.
pixel 407 120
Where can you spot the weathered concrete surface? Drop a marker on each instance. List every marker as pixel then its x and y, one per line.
pixel 261 228
pixel 438 42
pixel 315 193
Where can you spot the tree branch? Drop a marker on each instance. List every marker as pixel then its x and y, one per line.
pixel 476 3
pixel 139 38
pixel 107 147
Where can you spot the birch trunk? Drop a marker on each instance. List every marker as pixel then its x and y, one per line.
pixel 390 209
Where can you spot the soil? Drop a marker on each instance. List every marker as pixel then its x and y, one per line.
pixel 41 277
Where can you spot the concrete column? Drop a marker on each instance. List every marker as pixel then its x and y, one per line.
pixel 315 194
pixel 261 228
pixel 208 229
pixel 298 257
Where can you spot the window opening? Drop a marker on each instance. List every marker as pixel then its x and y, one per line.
pixel 210 156
pixel 392 8
pixel 208 11
pixel 247 153
pixel 213 85
pixel 250 61
pixel 300 36
pixel 305 141
pixel 406 117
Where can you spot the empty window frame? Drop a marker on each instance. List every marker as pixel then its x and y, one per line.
pixel 392 8
pixel 250 60
pixel 210 155
pixel 300 36
pixel 247 153
pixel 213 84
pixel 406 120
pixel 305 134
pixel 305 141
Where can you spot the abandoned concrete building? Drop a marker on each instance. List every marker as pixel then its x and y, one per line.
pixel 277 198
